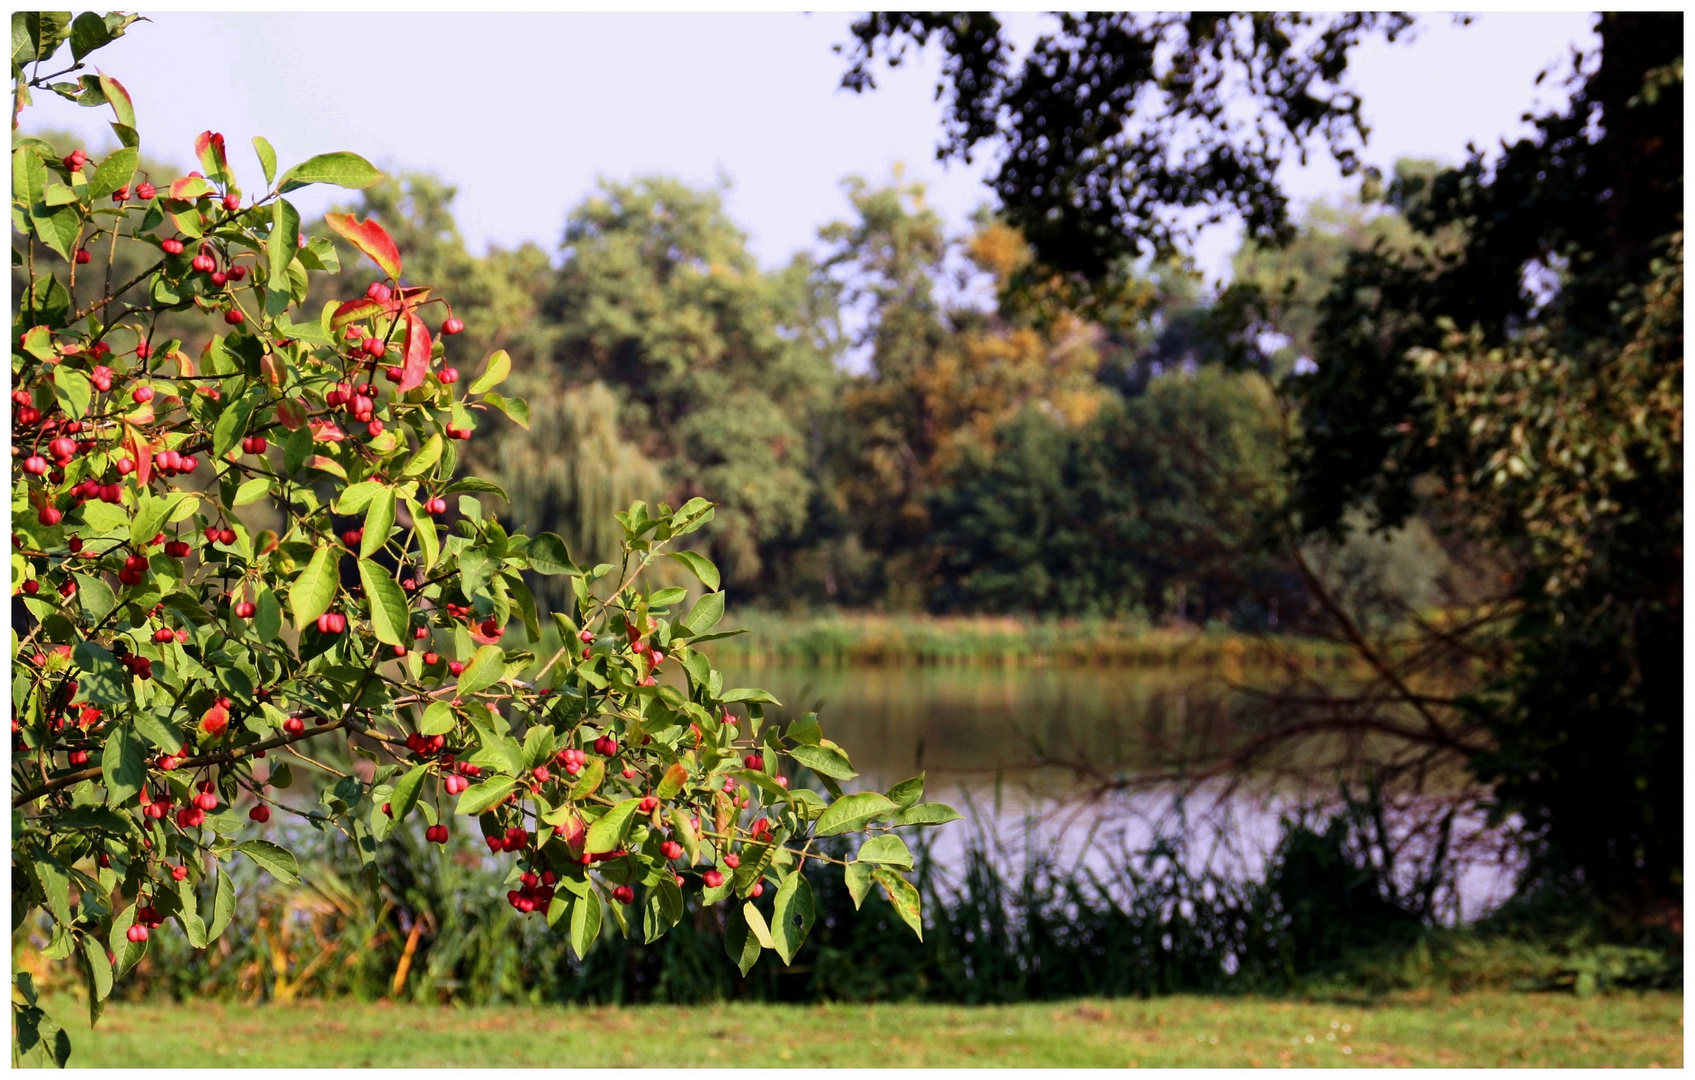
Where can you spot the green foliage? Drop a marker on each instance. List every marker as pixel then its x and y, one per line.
pixel 1158 502
pixel 164 643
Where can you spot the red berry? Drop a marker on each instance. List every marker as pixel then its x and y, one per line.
pixel 732 861
pixel 261 814
pixel 624 894
pixel 232 202
pixel 294 725
pixel 431 659
pixel 712 878
pixel 83 256
pixel 142 395
pixel 234 317
pixel 226 536
pixel 171 247
pixel 453 326
pixel 448 376
pixel 49 515
pixel 455 667
pixel 145 191
pixel 245 610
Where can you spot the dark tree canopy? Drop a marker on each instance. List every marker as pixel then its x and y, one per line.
pixel 1118 123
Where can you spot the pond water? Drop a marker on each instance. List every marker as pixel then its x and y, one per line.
pixel 1059 758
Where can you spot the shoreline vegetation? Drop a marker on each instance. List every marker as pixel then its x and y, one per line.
pixel 870 639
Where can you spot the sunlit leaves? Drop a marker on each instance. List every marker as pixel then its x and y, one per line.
pixel 342 169
pixel 367 236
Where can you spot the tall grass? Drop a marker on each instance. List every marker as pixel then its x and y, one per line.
pixel 856 638
pixel 997 930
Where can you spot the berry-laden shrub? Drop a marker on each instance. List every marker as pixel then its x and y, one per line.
pixel 166 650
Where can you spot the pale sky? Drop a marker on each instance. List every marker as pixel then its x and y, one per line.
pixel 523 111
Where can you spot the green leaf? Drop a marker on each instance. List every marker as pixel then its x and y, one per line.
pixel 390 619
pixel 193 926
pixel 538 745
pixel 406 790
pixel 425 459
pixel 851 813
pixel 101 679
pixel 493 374
pixel 267 157
pixel 907 792
pixel 232 425
pixel 667 597
pixel 158 732
pixel 585 923
pixel 72 390
pixel 314 590
pixel 475 485
pixel 934 813
pixel 690 516
pixel 888 850
pixel 485 669
pixel 379 519
pixel 123 765
pixel 278 862
pixel 252 491
pixel 547 554
pixel 683 831
pixel 100 968
pixel 280 249
pixel 699 564
pixel 704 615
pixel 607 832
pixel 748 693
pixel 756 924
pixel 113 173
pixel 517 410
pixel 223 906
pixel 437 719
pixel 858 878
pixel 904 896
pixel 95 596
pixel 792 915
pixel 267 620
pixel 740 943
pixel 56 883
pixel 479 797
pixel 827 761
pixel 88 33
pixel 589 782
pixel 341 168
pixel 663 909
pixel 355 498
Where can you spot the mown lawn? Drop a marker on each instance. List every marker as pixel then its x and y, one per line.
pixel 1482 1029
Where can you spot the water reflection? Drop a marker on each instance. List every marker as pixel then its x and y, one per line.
pixel 1004 745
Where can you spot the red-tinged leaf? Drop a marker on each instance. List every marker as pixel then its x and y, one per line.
pixel 573 832
pixel 326 431
pixel 119 99
pixel 413 295
pixel 185 363
pixel 292 414
pixel 326 464
pixel 271 366
pixel 189 188
pixel 209 145
pixel 363 308
pixel 143 455
pixel 215 721
pixel 482 638
pixel 370 238
pixel 417 363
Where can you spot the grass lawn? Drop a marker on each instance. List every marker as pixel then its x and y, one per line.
pixel 1481 1029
